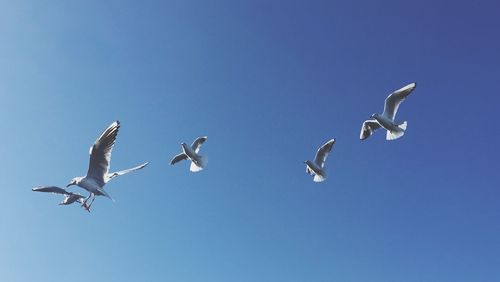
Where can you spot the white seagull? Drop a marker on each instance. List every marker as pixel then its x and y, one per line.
pixel 386 119
pixel 316 168
pixel 100 157
pixel 69 197
pixel 191 153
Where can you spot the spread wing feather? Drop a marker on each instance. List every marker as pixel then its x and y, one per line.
pixel 323 152
pixel 100 154
pixel 197 143
pixel 369 126
pixel 51 189
pixel 178 158
pixel 395 99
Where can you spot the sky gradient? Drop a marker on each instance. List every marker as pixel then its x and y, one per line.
pixel 268 82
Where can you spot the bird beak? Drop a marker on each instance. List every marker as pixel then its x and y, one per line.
pixel 71 183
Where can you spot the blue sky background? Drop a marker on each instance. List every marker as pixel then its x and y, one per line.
pixel 268 82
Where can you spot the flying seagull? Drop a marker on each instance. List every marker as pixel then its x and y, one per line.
pixel 386 119
pixel 98 173
pixel 69 197
pixel 316 168
pixel 191 153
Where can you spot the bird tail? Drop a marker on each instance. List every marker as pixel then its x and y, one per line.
pixel 319 178
pixel 393 135
pixel 199 164
pixel 403 126
pixel 105 194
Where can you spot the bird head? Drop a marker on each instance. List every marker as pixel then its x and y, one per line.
pixel 73 181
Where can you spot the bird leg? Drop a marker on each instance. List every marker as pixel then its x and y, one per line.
pixel 93 199
pixel 86 199
pixel 87 208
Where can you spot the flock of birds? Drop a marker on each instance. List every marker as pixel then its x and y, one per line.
pixel 98 174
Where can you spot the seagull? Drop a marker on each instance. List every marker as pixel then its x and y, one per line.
pixel 69 197
pixel 316 168
pixel 98 173
pixel 191 153
pixel 386 119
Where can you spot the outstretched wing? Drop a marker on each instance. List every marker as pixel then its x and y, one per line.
pixel 100 154
pixel 51 189
pixel 395 99
pixel 323 152
pixel 178 158
pixel 197 143
pixel 369 126
pixel 125 171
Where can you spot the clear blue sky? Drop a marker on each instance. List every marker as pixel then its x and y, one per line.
pixel 268 82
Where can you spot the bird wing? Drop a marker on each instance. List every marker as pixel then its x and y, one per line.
pixel 369 126
pixel 393 101
pixel 100 154
pixel 51 189
pixel 178 158
pixel 197 143
pixel 323 152
pixel 125 171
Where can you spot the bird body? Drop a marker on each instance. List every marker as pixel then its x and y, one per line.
pixel 100 158
pixel 190 153
pixel 386 119
pixel 69 197
pixel 385 122
pixel 91 186
pixel 317 172
pixel 316 168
